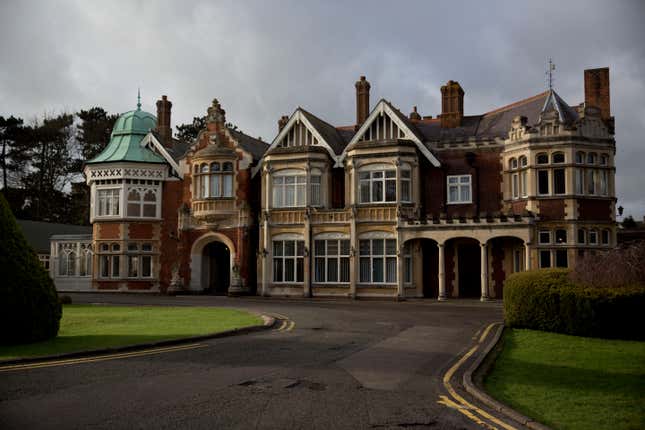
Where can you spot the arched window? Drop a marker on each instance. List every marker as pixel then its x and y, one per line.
pixel 558 157
pixel 142 202
pixel 512 163
pixel 604 159
pixel 67 259
pixel 591 158
pixel 85 260
pixel 542 158
pixel 523 161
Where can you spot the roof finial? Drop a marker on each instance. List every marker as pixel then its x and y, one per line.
pixel 138 98
pixel 549 74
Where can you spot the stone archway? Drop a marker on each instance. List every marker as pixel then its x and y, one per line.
pixel 200 270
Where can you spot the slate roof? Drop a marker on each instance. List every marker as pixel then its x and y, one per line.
pixel 38 233
pixel 328 132
pixel 254 146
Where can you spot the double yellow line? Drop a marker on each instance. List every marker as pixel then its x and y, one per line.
pixel 285 323
pixel 460 404
pixel 67 362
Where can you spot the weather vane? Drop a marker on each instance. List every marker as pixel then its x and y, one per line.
pixel 138 98
pixel 549 73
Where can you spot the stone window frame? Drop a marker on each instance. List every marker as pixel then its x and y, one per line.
pixel 279 188
pixel 387 256
pixel 141 252
pixel 297 258
pixel 204 175
pixel 109 254
pixel 342 255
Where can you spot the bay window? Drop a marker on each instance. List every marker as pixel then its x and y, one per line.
pixel 331 260
pixel 377 184
pixel 377 261
pixel 142 203
pixel 213 180
pixel 108 201
pixel 290 188
pixel 288 261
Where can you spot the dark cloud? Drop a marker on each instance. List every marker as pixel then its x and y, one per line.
pixel 263 59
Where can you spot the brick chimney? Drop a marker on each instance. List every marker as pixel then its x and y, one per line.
pixel 282 122
pixel 452 105
pixel 362 100
pixel 163 120
pixel 414 115
pixel 597 90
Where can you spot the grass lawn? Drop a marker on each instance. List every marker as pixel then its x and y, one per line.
pixel 86 327
pixel 570 382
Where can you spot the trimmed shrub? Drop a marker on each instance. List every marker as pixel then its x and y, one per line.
pixel 549 300
pixel 29 306
pixel 65 300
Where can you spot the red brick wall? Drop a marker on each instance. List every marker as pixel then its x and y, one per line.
pixel 107 230
pixel 597 210
pixel 551 209
pixel 140 230
pixel 518 207
pixel 338 188
pixel 172 196
pixel 486 183
pixel 498 275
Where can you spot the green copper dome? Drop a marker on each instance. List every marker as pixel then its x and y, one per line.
pixel 125 140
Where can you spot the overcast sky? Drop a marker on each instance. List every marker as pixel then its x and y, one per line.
pixel 263 59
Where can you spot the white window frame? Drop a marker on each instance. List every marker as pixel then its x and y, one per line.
pixel 382 258
pixel 342 255
pixel 540 242
pixel 143 190
pixel 115 191
pixel 376 176
pixel 297 258
pixel 460 184
pixel 281 187
pixel 107 259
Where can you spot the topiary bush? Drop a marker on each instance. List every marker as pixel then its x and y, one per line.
pixel 29 306
pixel 550 300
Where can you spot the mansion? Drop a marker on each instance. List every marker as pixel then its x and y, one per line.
pixel 392 205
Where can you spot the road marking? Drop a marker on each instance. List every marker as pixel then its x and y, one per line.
pixel 463 402
pixel 283 325
pixel 71 361
pixel 292 324
pixel 447 402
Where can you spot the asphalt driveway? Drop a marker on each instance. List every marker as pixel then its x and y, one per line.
pixel 335 364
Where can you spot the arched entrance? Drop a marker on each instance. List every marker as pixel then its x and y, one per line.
pixel 216 268
pixel 212 258
pixel 463 267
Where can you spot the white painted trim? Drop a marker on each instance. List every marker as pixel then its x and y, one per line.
pixel 377 235
pixel 288 236
pixel 380 108
pixel 150 138
pixel 296 117
pixel 331 236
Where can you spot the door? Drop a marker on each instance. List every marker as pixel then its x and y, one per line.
pixel 469 269
pixel 218 268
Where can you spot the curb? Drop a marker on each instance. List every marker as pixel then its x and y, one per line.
pixel 473 390
pixel 268 323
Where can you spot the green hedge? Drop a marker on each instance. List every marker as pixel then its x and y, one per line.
pixel 548 300
pixel 29 306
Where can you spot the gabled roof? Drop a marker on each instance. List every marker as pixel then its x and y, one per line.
pixel 328 132
pixel 409 130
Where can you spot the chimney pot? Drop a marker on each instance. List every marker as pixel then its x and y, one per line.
pixel 414 115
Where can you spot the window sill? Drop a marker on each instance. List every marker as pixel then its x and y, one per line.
pixel 460 203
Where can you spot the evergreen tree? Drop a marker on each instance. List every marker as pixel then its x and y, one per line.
pixel 10 129
pixel 189 132
pixel 29 306
pixel 93 132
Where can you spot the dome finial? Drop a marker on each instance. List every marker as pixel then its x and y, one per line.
pixel 138 98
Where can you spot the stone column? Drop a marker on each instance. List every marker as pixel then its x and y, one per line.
pixel 400 288
pixel 354 255
pixel 484 271
pixel 307 260
pixel 442 274
pixel 527 257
